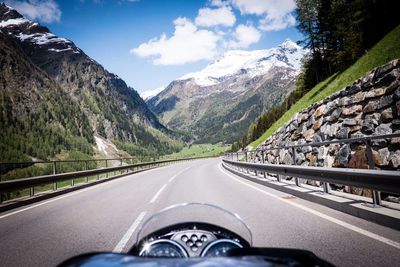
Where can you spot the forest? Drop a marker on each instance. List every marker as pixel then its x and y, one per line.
pixel 336 33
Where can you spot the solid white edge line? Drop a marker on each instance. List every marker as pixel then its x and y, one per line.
pixel 54 199
pixel 321 215
pixel 124 240
pixel 158 193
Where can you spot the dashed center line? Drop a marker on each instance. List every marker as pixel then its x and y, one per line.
pixel 158 193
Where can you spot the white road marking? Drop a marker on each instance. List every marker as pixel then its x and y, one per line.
pixel 158 193
pixel 122 243
pixel 179 173
pixel 319 214
pixel 55 199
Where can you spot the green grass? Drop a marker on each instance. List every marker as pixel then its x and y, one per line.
pixel 200 150
pixel 384 51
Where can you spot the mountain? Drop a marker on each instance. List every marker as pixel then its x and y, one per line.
pixel 41 63
pixel 146 95
pixel 218 103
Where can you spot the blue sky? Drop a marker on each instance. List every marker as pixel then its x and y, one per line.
pixel 149 43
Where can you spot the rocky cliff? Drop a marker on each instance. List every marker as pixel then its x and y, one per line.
pixel 370 106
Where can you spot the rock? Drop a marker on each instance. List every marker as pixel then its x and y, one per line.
pixel 310 121
pixel 395 140
pixel 387 114
pixel 350 122
pixel 308 135
pixel 342 133
pixel 335 115
pixel 351 110
pixel 358 159
pixel 387 79
pixel 398 108
pixel 381 157
pixel 392 88
pixel 360 96
pixel 379 71
pixel 333 149
pixel 383 129
pixel 342 157
pixel 355 128
pixel 317 138
pixel 378 104
pixel 319 111
pixel 306 149
pixel 328 161
pixel 312 158
pixel 395 159
pixel 352 89
pixel 317 124
pixel 375 93
pixel 322 152
pixel 397 94
pixel 344 101
pixel 300 158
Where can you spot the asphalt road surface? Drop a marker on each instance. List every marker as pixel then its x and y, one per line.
pixel 105 217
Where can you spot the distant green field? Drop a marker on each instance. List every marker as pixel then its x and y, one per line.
pixel 384 51
pixel 201 150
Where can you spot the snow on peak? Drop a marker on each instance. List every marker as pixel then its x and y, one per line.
pixel 28 31
pixel 254 63
pixel 146 95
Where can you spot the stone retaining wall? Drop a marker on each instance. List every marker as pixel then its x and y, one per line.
pixel 370 106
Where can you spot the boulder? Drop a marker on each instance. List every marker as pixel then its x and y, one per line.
pixel 358 159
pixel 342 157
pixel 383 128
pixel 387 115
pixel 342 133
pixel 352 110
pixel 395 158
pixel 308 135
pixel 381 157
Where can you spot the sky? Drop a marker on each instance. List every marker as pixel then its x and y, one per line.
pixel 149 43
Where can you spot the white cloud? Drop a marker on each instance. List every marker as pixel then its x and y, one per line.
pixel 276 15
pixel 218 3
pixel 208 17
pixel 188 44
pixel 43 10
pixel 244 36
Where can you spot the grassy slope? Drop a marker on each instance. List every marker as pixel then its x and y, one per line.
pixel 384 51
pixel 201 150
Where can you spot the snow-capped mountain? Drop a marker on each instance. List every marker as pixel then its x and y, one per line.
pixel 219 102
pixel 254 63
pixel 146 95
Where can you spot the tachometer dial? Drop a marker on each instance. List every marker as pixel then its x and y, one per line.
pixel 163 248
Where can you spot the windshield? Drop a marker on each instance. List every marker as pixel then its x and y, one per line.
pixel 198 213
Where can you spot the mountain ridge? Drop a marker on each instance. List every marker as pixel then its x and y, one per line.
pixel 234 89
pixel 114 110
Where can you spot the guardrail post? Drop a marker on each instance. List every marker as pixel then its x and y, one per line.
pixel 106 168
pixel 32 191
pixel 296 179
pixel 263 161
pixel 376 195
pixel 86 168
pixel 55 172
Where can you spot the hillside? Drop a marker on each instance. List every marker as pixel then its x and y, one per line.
pixel 385 50
pixel 218 103
pixel 99 103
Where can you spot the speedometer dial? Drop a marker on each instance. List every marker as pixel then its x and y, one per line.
pixel 220 248
pixel 163 248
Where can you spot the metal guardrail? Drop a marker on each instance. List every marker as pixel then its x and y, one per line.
pixel 31 182
pixel 377 180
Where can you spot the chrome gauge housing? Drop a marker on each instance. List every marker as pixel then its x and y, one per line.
pixel 220 248
pixel 164 248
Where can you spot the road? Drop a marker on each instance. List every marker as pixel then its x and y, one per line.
pixel 104 217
